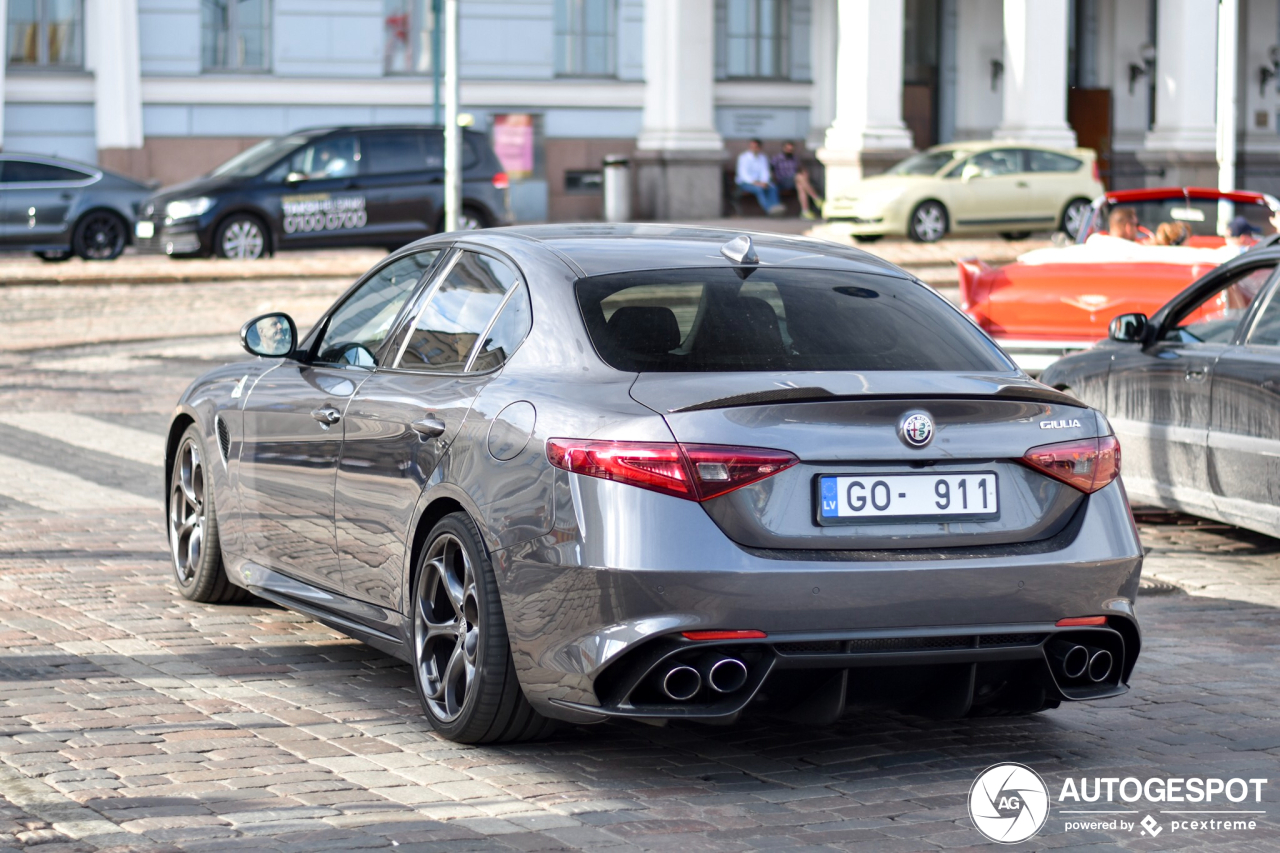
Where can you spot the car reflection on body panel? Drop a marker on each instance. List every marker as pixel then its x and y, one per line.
pixel 660 472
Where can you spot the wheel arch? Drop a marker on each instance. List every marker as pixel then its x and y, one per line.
pixel 1062 215
pixel 268 234
pixel 437 503
pixel 181 420
pixel 946 213
pixel 100 207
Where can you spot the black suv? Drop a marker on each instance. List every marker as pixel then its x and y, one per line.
pixel 325 187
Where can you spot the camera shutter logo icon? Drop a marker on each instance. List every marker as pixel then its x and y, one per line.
pixel 1009 803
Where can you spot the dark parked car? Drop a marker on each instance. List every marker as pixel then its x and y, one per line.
pixel 59 208
pixel 344 186
pixel 658 472
pixel 1194 392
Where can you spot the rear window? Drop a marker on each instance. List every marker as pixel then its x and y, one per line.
pixel 710 320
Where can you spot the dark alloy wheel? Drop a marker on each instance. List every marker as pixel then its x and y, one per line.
pixel 193 526
pixel 463 669
pixel 928 222
pixel 100 236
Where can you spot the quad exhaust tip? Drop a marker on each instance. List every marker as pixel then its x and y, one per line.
pixel 727 675
pixel 1074 660
pixel 1099 665
pixel 681 683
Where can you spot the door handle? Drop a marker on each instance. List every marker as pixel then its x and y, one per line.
pixel 66 196
pixel 1022 185
pixel 327 415
pixel 428 427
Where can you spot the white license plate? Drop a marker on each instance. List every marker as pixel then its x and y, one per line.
pixel 145 230
pixel 856 498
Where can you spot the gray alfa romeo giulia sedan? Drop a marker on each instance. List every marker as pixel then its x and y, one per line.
pixel 659 472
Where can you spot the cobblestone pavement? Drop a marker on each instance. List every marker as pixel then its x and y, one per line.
pixel 131 719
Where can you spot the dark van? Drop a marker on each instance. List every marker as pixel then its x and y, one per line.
pixel 322 188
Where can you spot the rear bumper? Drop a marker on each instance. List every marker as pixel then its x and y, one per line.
pixel 578 601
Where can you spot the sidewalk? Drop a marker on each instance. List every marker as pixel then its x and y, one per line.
pixel 934 263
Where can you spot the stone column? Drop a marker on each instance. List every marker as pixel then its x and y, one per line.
pixel 111 31
pixel 1035 73
pixel 822 65
pixel 867 135
pixel 1184 139
pixel 679 153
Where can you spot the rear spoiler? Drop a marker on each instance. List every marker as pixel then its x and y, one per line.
pixel 969 270
pixel 1015 393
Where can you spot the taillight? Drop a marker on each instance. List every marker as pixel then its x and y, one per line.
pixel 1088 464
pixel 696 472
pixel 1097 173
pixel 501 181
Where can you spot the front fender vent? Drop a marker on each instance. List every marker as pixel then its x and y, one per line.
pixel 224 437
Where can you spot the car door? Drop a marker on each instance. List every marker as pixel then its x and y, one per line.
pixel 1053 180
pixel 403 420
pixel 992 192
pixel 293 428
pixel 319 202
pixel 1159 395
pixel 394 181
pixel 38 200
pixel 1244 429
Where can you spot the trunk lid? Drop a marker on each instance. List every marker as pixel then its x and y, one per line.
pixel 848 425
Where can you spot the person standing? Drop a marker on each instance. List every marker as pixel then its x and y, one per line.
pixel 753 176
pixel 790 174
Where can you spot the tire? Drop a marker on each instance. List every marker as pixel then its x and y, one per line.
pixel 241 236
pixel 928 223
pixel 194 547
pixel 100 235
pixel 56 257
pixel 472 218
pixel 1015 235
pixel 469 697
pixel 1074 216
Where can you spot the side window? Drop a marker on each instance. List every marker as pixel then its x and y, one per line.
pixel 1215 317
pixel 392 153
pixel 457 313
pixel 28 172
pixel 1266 329
pixel 1048 161
pixel 359 326
pixel 471 152
pixel 333 157
pixel 507 332
pixel 1001 161
pixel 435 149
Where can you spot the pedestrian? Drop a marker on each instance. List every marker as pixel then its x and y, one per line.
pixel 789 174
pixel 753 177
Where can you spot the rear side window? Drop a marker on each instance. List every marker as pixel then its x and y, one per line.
pixel 709 320
pixel 392 153
pixel 1048 161
pixel 457 314
pixel 435 150
pixel 27 172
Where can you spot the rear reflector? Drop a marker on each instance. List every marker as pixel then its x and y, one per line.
pixel 501 181
pixel 696 472
pixel 1088 464
pixel 1081 621
pixel 725 635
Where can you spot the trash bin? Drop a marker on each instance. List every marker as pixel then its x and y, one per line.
pixel 617 188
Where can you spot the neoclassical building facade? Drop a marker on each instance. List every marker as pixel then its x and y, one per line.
pixel 166 89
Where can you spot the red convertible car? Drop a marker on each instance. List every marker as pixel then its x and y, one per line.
pixel 1059 300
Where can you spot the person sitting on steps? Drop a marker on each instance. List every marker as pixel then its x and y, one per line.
pixel 753 176
pixel 791 174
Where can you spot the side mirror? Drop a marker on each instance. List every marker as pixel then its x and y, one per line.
pixel 270 336
pixel 1129 328
pixel 295 178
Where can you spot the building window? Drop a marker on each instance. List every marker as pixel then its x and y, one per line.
pixel 236 34
pixel 586 34
pixel 46 33
pixel 756 35
pixel 408 27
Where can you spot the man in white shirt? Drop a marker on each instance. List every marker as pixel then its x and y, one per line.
pixel 753 177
